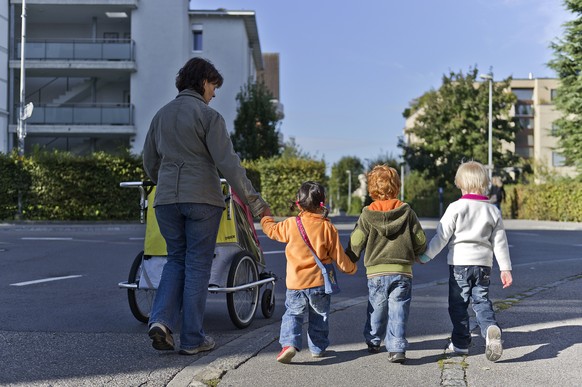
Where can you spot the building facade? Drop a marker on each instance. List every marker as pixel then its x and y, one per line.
pixel 98 70
pixel 536 112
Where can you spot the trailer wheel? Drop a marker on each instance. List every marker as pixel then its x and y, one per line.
pixel 242 304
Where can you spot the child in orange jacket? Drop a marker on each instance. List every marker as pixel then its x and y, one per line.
pixel 304 280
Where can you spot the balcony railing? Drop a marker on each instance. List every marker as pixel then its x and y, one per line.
pixel 78 49
pixel 82 114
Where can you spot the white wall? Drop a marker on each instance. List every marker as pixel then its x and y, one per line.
pixel 161 33
pixel 226 45
pixel 4 76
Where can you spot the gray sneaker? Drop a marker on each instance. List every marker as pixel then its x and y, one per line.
pixel 206 345
pixel 161 336
pixel 493 346
pixel 396 357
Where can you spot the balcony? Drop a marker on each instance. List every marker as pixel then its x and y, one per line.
pixel 82 114
pixel 77 50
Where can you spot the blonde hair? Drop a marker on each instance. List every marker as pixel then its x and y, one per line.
pixel 472 177
pixel 383 183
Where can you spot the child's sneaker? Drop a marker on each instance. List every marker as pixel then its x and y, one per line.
pixel 493 346
pixel 459 351
pixel 396 357
pixel 318 354
pixel 161 336
pixel 374 348
pixel 286 354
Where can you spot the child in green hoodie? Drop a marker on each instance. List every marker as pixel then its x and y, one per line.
pixel 392 237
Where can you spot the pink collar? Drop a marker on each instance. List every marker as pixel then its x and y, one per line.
pixel 474 197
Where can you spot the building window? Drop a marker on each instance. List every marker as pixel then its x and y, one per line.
pixel 553 94
pixel 197 37
pixel 558 160
pixel 523 94
pixel 555 128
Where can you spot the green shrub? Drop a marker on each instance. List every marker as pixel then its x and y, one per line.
pixel 559 200
pixel 280 178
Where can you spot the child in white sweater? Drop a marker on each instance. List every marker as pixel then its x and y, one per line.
pixel 474 231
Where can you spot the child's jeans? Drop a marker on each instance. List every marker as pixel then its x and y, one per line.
pixel 317 303
pixel 388 307
pixel 469 284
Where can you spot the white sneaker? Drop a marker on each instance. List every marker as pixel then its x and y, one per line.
pixel 459 351
pixel 493 346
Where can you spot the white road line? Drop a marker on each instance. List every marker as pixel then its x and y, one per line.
pixel 47 239
pixel 45 280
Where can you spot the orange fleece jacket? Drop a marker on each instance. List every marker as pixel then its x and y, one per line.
pixel 302 271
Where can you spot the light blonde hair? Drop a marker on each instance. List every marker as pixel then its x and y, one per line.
pixel 383 183
pixel 472 177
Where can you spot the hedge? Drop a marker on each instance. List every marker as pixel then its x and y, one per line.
pixel 60 186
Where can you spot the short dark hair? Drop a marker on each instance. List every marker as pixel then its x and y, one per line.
pixel 311 197
pixel 193 74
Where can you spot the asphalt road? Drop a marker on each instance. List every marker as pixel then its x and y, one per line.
pixel 65 322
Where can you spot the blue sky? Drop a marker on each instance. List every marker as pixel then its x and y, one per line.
pixel 349 69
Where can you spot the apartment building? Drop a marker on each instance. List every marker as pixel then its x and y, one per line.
pixel 536 112
pixel 98 70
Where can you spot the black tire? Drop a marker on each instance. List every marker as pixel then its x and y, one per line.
pixel 242 304
pixel 140 300
pixel 267 307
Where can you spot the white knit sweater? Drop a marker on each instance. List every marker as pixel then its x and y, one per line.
pixel 474 231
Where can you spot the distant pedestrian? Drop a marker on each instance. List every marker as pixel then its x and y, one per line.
pixel 186 145
pixel 474 231
pixel 392 237
pixel 304 280
pixel 497 192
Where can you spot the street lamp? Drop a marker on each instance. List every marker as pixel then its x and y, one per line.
pixel 349 190
pixel 490 163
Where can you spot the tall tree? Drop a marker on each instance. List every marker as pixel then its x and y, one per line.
pixel 451 125
pixel 567 63
pixel 338 182
pixel 256 132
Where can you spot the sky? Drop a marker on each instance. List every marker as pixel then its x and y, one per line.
pixel 349 69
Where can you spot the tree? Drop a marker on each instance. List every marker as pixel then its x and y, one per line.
pixel 451 126
pixel 381 159
pixel 256 131
pixel 292 150
pixel 567 63
pixel 338 182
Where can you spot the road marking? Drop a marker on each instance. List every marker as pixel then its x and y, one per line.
pixel 47 239
pixel 45 280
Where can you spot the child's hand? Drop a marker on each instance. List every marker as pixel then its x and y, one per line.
pixel 506 278
pixel 267 212
pixel 423 259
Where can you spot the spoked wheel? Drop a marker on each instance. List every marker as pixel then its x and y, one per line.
pixel 242 304
pixel 140 300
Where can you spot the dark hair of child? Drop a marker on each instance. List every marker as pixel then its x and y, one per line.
pixel 311 198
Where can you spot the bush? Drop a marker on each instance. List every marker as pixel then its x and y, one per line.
pixel 280 178
pixel 558 200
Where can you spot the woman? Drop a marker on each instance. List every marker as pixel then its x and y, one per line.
pixel 186 145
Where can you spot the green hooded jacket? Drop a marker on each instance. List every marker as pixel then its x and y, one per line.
pixel 391 240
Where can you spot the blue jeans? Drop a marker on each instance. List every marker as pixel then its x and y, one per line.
pixel 317 303
pixel 190 231
pixel 469 284
pixel 389 299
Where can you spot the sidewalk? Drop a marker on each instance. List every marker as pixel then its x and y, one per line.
pixel 541 339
